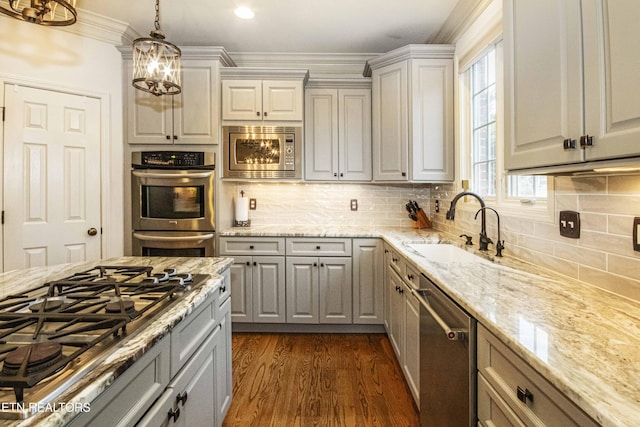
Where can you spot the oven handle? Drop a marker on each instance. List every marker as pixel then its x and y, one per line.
pixel 154 238
pixel 142 174
pixel 452 334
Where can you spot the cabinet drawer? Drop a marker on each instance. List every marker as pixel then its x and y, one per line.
pixel 507 373
pixel 320 247
pixel 187 335
pixel 411 276
pixel 251 246
pixel 397 262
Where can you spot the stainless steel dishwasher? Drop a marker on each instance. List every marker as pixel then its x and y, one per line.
pixel 447 360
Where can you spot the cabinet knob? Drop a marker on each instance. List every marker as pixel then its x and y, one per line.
pixel 250 246
pixel 248 263
pixel 524 394
pixel 265 114
pixel 341 174
pixel 401 291
pixel 586 141
pixel 322 264
pixel 397 288
pixel 315 264
pixel 335 174
pixel 569 144
pixel 175 136
pixel 223 289
pixel 386 251
pixel 258 113
pixel 318 247
pixel 255 263
pixel 410 276
pixel 168 136
pixel 404 174
pixel 182 398
pixel 174 415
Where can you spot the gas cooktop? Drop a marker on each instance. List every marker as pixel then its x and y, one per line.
pixel 51 335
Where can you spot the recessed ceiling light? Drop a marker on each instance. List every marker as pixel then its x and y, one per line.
pixel 244 13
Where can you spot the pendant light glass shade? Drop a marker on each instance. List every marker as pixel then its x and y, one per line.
pixel 156 63
pixel 43 12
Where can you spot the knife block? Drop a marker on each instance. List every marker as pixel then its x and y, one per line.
pixel 423 220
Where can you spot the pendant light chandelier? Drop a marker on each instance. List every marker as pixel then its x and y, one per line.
pixel 156 63
pixel 44 12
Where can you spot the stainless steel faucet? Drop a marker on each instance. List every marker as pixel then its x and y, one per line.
pixel 499 243
pixel 451 214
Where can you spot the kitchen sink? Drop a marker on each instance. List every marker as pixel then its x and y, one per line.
pixel 445 253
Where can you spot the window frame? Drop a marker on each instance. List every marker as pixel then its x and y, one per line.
pixel 530 208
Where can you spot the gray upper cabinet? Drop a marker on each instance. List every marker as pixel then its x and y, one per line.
pixel 571 89
pixel 338 133
pixel 412 104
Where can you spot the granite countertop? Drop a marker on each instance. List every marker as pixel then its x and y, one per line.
pixel 582 339
pixel 133 347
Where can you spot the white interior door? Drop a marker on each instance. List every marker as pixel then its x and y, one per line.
pixel 51 178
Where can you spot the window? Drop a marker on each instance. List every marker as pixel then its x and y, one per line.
pixel 481 112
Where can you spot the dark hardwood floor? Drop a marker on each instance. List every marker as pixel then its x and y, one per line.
pixel 318 380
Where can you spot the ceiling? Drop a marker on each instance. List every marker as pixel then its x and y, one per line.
pixel 314 26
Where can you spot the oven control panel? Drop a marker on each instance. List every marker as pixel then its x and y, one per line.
pixel 172 159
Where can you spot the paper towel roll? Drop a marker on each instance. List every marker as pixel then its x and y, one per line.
pixel 242 209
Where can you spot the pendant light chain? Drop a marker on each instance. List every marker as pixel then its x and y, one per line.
pixel 157 22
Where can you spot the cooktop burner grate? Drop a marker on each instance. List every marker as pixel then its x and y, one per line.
pixel 44 329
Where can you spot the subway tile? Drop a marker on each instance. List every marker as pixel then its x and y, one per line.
pixel 611 282
pixel 580 185
pixel 593 222
pixel 624 266
pixel 579 255
pixel 616 204
pixel 611 243
pixel 620 224
pixel 624 184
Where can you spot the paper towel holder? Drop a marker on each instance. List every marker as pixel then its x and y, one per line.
pixel 246 223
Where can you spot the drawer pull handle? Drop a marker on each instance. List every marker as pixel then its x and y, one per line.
pixel 318 247
pixel 182 398
pixel 397 288
pixel 174 415
pixel 223 289
pixel 524 394
pixel 410 276
pixel 251 247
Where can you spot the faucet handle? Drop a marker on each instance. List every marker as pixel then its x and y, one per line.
pixel 499 248
pixel 469 241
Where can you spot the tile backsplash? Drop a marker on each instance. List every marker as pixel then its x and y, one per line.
pixel 326 204
pixel 603 255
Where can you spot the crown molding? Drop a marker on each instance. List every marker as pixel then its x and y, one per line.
pixel 461 17
pixel 265 73
pixel 191 52
pixel 340 83
pixel 101 28
pixel 410 51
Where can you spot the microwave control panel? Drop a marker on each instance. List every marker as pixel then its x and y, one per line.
pixel 289 153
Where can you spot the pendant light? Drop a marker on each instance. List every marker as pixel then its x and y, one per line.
pixel 44 12
pixel 156 63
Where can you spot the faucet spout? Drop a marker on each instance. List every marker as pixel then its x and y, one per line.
pixel 451 214
pixel 499 243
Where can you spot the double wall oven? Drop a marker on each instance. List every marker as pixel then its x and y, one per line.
pixel 172 203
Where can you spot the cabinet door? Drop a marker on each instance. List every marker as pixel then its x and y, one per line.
pixel 543 100
pixel 241 100
pixel 149 117
pixel 411 363
pixel 223 381
pixel 612 66
pixel 282 100
pixel 354 127
pixel 242 289
pixel 390 136
pixel 396 314
pixel 321 134
pixel 368 267
pixel 431 140
pixel 386 289
pixel 269 289
pixel 195 111
pixel 336 303
pixel 302 290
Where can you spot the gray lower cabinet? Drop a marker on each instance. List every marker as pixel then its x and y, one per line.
pixel 305 280
pixel 512 393
pixel 257 278
pixel 184 379
pixel 368 280
pixel 319 290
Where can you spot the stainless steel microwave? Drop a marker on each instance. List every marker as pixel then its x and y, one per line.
pixel 262 152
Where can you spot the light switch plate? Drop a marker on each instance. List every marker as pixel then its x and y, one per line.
pixel 570 224
pixel 252 204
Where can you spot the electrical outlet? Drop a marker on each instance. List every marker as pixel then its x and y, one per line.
pixel 570 224
pixel 437 207
pixel 354 204
pixel 252 204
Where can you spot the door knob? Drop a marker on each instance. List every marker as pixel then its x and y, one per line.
pixel 92 231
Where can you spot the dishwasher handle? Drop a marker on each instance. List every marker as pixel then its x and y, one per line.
pixel 452 334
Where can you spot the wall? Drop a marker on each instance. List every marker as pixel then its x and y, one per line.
pixel 602 256
pixel 329 204
pixel 52 58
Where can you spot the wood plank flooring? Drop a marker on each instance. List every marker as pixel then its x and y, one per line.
pixel 318 380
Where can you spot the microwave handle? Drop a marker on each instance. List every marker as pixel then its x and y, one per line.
pixel 143 236
pixel 142 174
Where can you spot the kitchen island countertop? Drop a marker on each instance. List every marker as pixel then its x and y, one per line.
pixel 131 348
pixel 584 340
